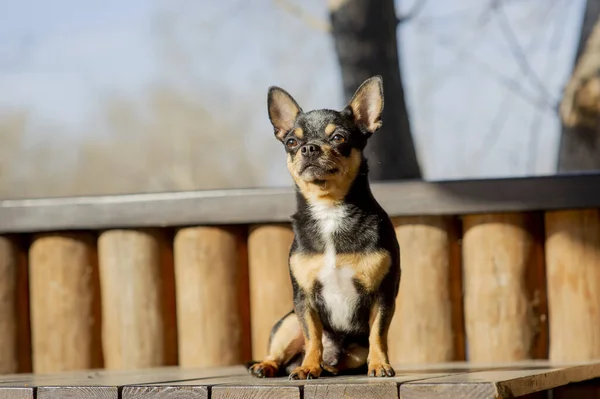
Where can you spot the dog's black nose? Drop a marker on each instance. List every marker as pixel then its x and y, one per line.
pixel 310 150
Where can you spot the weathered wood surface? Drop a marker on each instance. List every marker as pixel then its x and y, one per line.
pixel 504 282
pixel 245 206
pixel 498 384
pixel 132 299
pixel 64 298
pixel 270 285
pixel 573 259
pixel 430 298
pixel 442 381
pixel 102 384
pixel 212 315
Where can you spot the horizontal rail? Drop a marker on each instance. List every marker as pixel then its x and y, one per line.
pixel 244 206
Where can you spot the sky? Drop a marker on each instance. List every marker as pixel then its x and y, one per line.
pixel 481 81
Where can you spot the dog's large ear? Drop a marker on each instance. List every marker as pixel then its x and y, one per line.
pixel 283 111
pixel 367 104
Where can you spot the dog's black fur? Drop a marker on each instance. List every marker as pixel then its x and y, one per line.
pixel 345 258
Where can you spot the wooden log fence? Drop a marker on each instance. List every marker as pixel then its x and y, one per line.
pixel 493 271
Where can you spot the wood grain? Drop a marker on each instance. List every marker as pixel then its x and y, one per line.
pixel 498 384
pixel 332 387
pixel 78 392
pixel 504 298
pixel 132 292
pixel 375 390
pixel 167 392
pixel 16 393
pixel 573 257
pixel 259 392
pixel 9 361
pixel 63 290
pixel 429 305
pixel 209 267
pixel 270 285
pixel 105 384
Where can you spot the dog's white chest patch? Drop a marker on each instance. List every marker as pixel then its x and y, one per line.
pixel 339 293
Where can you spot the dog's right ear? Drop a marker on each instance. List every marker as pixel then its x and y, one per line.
pixel 283 111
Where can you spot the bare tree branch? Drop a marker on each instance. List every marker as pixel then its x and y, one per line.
pixel 518 52
pixel 414 11
pixel 301 14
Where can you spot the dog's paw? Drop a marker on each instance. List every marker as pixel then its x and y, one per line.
pixel 381 370
pixel 306 373
pixel 264 369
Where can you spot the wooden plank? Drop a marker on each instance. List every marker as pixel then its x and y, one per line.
pixel 498 384
pixel 244 386
pixel 247 206
pixel 105 384
pixel 16 393
pixel 63 289
pixel 132 292
pixel 573 256
pixel 270 285
pixel 430 292
pixel 504 287
pixel 332 387
pixel 209 269
pixel 9 360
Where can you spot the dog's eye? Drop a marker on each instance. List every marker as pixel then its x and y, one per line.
pixel 338 139
pixel 291 143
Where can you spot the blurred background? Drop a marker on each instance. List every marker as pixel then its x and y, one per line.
pixel 148 96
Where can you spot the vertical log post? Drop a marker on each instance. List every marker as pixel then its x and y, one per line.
pixel 131 286
pixel 505 300
pixel 573 268
pixel 62 270
pixel 427 326
pixel 8 307
pixel 270 285
pixel 210 273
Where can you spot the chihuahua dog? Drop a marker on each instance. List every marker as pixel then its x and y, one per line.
pixel 345 259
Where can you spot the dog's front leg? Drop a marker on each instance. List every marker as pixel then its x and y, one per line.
pixel 313 334
pixel 381 317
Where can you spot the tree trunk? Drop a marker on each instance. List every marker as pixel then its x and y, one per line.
pixel 580 107
pixel 364 32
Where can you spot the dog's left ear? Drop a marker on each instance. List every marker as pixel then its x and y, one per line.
pixel 367 104
pixel 283 111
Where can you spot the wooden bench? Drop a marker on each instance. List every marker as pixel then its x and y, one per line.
pixel 531 379
pixel 498 270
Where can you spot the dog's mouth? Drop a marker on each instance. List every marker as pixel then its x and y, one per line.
pixel 316 171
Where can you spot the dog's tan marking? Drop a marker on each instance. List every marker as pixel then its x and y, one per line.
pixel 378 344
pixel 286 342
pixel 369 267
pixel 313 337
pixel 305 268
pixel 334 187
pixel 330 128
pixel 299 133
